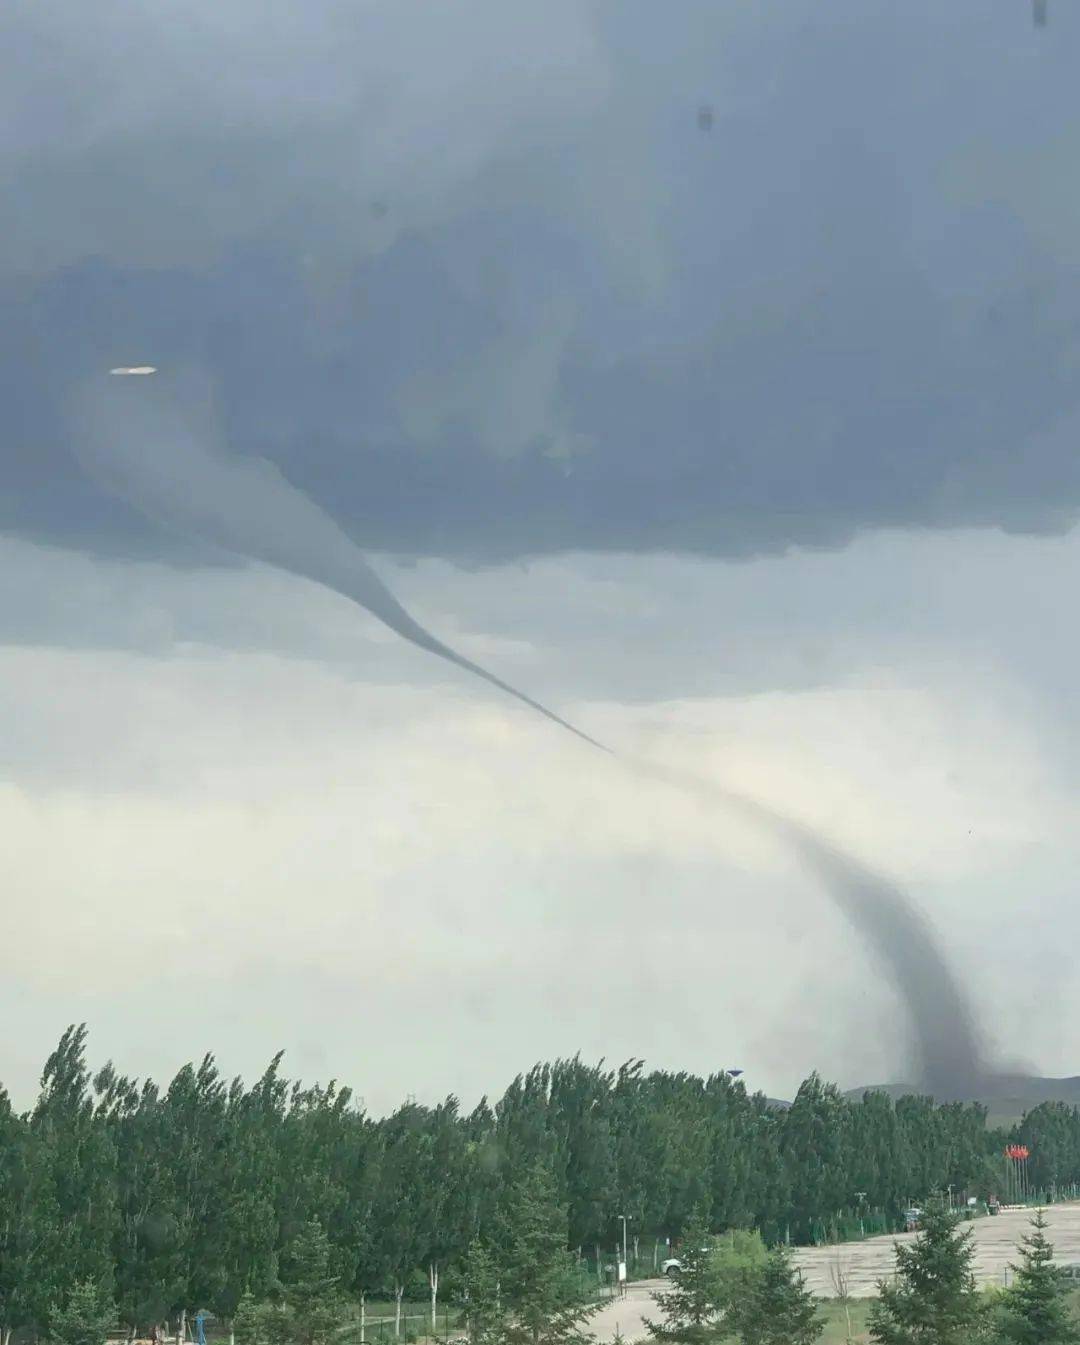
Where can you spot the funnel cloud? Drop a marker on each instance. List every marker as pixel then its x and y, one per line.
pixel 145 453
pixel 139 446
pixel 948 1053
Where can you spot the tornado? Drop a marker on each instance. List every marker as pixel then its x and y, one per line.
pixel 949 1059
pixel 134 442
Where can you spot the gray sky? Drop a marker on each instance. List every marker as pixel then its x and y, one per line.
pixel 754 449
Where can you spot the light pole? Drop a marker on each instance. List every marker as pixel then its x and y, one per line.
pixel 624 1218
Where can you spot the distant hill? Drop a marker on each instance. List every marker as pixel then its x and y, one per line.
pixel 1005 1096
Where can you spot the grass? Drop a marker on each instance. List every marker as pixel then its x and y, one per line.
pixel 379 1323
pixel 836 1332
pixel 836 1329
pixel 415 1321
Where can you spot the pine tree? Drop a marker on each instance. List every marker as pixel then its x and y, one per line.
pixel 539 1291
pixel 315 1306
pixel 260 1323
pixel 305 1307
pixel 773 1306
pixel 935 1301
pixel 85 1318
pixel 694 1306
pixel 1035 1310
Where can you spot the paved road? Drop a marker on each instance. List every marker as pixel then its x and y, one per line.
pixel 628 1314
pixel 865 1263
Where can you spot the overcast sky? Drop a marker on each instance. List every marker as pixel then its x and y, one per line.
pixel 752 447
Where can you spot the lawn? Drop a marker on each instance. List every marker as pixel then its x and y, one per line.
pixel 836 1330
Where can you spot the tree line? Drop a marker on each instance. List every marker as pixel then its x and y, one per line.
pixel 191 1195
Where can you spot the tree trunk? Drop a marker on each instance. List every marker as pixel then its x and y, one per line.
pixel 635 1251
pixel 6 1335
pixel 181 1330
pixel 433 1280
pixel 599 1268
pixel 399 1293
pixel 363 1315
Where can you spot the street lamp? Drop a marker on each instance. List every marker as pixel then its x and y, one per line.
pixel 624 1218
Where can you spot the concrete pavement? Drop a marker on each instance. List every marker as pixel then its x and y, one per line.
pixel 865 1263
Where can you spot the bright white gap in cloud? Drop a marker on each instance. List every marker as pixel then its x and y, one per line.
pixel 420 864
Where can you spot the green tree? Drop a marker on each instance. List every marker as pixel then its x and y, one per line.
pixel 398 1248
pixel 25 1215
pixel 934 1301
pixel 260 1322
pixel 85 1317
pixel 816 1151
pixel 772 1306
pixel 196 1194
pixel 444 1199
pixel 315 1306
pixel 579 1107
pixel 245 1198
pixel 305 1307
pixel 1050 1131
pixel 204 1156
pixel 480 1292
pixel 147 1251
pixel 738 1251
pixel 73 1178
pixel 1035 1309
pixel 539 1288
pixel 694 1307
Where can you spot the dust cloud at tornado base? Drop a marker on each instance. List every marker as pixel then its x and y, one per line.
pixel 132 438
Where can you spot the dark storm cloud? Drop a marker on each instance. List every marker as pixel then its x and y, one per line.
pixel 144 450
pixel 478 284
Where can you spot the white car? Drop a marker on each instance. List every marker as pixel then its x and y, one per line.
pixel 673 1266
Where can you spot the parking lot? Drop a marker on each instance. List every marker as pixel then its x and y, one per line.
pixel 865 1263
